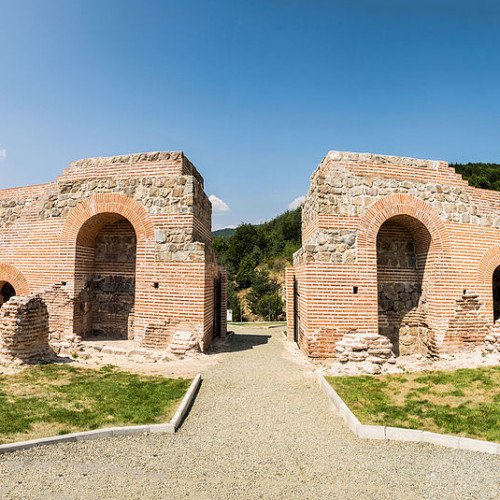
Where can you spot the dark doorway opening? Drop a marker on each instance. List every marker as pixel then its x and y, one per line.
pixel 7 291
pixel 296 315
pixel 496 294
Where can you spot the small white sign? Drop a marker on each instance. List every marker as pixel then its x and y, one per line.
pixel 230 315
pixel 3 154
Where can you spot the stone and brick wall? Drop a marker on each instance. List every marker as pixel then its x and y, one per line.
pixel 398 247
pixel 117 246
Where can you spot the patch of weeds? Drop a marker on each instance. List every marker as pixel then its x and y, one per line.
pixel 109 369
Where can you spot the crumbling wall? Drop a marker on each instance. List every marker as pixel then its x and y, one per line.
pixel 24 330
pixel 346 184
pixel 158 335
pixel 60 308
pixel 469 325
pixel 371 349
pixel 492 340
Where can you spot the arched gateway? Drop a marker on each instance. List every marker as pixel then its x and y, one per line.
pixel 403 245
pixel 12 283
pixel 393 248
pixel 119 248
pixel 105 262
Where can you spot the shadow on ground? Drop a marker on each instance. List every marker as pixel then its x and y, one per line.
pixel 238 342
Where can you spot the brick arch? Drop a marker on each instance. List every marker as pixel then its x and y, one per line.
pixel 487 265
pixel 427 224
pixel 12 275
pixel 102 203
pixel 401 204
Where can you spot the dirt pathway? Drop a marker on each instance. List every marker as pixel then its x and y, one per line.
pixel 261 428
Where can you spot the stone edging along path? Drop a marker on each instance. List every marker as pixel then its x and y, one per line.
pixel 168 428
pixel 399 434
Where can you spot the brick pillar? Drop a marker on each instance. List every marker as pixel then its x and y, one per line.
pixel 290 316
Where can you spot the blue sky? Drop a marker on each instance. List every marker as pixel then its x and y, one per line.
pixel 255 92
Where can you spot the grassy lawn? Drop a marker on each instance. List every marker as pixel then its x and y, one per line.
pixel 58 399
pixel 462 402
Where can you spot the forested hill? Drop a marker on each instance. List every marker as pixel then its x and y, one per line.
pixel 224 233
pixel 256 255
pixel 481 175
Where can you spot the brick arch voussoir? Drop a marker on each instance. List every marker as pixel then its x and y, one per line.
pixel 399 204
pixel 11 274
pixel 123 205
pixel 488 263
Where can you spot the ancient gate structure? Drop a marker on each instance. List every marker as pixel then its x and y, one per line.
pixel 116 248
pixel 399 256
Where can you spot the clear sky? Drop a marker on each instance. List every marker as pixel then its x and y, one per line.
pixel 255 92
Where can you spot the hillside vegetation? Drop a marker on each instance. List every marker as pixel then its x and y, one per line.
pixel 481 175
pixel 256 255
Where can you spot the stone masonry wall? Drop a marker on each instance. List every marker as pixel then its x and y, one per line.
pixel 345 184
pixel 469 325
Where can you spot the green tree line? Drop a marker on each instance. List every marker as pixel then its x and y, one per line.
pixel 256 255
pixel 481 175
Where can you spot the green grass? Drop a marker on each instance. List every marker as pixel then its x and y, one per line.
pixel 462 402
pixel 57 399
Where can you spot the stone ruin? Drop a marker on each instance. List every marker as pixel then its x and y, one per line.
pixel 370 350
pixel 492 340
pixel 398 255
pixel 24 331
pixel 117 248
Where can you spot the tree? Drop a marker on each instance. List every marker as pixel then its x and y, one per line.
pixel 265 297
pixel 233 302
pixel 245 273
pixel 270 306
pixel 481 175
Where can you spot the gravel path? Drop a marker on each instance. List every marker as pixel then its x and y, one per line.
pixel 260 428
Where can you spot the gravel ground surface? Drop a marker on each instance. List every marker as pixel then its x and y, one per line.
pixel 260 428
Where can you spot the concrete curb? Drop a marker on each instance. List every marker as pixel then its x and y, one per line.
pixel 399 434
pixel 169 428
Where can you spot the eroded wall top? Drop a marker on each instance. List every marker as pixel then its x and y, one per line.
pixel 346 184
pixel 140 164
